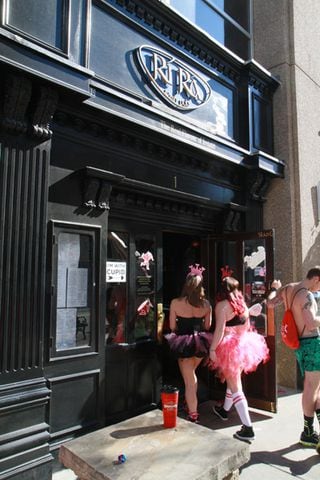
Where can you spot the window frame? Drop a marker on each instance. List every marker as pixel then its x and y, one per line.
pixel 133 231
pixel 65 30
pixel 257 123
pixel 94 232
pixel 227 18
pixel 109 285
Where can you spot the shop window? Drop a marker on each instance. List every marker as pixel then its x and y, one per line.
pixel 131 309
pixel 74 291
pixel 247 262
pixel 255 272
pixel 262 124
pixel 117 287
pixel 143 325
pixel 227 21
pixel 23 17
pixel 238 10
pixel 221 120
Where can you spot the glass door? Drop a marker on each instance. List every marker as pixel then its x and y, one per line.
pixel 133 298
pixel 250 257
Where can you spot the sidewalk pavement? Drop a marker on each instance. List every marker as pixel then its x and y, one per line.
pixel 275 453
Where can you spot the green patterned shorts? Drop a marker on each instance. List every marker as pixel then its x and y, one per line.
pixel 308 355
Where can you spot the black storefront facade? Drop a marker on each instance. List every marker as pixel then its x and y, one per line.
pixel 132 145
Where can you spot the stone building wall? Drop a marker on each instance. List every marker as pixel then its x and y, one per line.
pixel 286 42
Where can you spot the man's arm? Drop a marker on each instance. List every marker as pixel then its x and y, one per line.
pixel 311 321
pixel 275 296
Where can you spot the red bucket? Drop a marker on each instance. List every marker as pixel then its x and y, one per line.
pixel 169 400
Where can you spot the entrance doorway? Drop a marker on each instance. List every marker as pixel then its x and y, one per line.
pixel 250 256
pixel 179 251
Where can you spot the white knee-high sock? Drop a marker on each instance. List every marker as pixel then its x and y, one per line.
pixel 241 405
pixel 228 400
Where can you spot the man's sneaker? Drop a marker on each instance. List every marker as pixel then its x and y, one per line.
pixel 220 412
pixel 309 440
pixel 246 434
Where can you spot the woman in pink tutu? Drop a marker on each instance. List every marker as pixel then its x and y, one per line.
pixel 190 317
pixel 236 347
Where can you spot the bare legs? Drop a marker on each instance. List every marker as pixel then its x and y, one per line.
pixel 234 384
pixel 311 393
pixel 188 368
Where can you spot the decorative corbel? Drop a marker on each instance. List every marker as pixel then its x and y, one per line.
pixel 17 96
pixel 46 105
pixel 104 195
pixel 98 187
pixel 91 188
pixel 24 111
pixel 258 184
pixel 232 222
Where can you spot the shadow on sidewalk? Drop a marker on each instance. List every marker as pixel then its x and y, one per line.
pixel 210 420
pixel 278 458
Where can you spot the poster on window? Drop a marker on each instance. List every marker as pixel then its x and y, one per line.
pixel 66 328
pixel 62 287
pixel 68 257
pixel 77 287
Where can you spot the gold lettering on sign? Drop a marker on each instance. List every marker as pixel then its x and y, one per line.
pixel 160 67
pixel 176 82
pixel 188 85
pixel 163 70
pixel 265 234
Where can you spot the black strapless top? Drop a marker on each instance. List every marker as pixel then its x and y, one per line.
pixel 188 326
pixel 236 320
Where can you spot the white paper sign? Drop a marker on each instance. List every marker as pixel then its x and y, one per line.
pixel 77 287
pixel 66 328
pixel 116 272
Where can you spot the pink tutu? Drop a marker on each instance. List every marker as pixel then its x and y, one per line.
pixel 186 346
pixel 242 352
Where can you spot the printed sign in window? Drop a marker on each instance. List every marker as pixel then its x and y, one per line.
pixel 66 332
pixel 116 272
pixel 77 287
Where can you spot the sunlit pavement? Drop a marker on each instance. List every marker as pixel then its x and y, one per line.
pixel 275 452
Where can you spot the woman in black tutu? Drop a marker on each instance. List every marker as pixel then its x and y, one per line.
pixel 190 319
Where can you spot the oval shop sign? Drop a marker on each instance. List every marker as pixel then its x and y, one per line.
pixel 174 81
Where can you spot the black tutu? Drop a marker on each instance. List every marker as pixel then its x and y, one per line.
pixel 196 344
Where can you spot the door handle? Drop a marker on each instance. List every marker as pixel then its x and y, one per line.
pixel 160 321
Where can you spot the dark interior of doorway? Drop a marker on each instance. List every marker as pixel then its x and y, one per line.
pixel 179 251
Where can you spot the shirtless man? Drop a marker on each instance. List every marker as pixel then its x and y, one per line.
pixel 304 309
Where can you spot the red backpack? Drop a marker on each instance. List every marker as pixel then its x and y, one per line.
pixel 289 330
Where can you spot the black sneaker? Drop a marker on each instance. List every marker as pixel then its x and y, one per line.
pixel 246 434
pixel 220 412
pixel 309 440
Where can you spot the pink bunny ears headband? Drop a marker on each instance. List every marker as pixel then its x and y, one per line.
pixel 196 270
